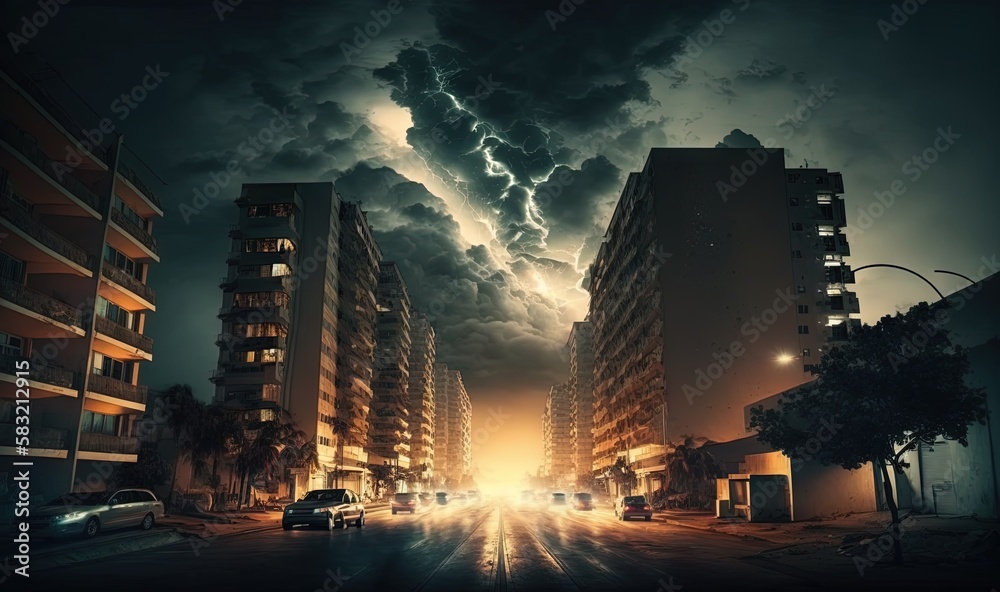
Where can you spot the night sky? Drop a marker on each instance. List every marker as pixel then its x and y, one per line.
pixel 455 119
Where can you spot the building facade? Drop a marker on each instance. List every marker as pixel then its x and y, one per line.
pixel 356 340
pixel 442 441
pixel 556 436
pixel 453 427
pixel 283 278
pixel 389 435
pixel 76 249
pixel 423 355
pixel 581 388
pixel 708 295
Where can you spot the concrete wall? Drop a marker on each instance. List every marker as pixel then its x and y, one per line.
pixel 820 491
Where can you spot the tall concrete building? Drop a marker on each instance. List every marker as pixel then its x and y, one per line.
pixel 556 428
pixel 720 281
pixel 356 340
pixel 453 426
pixel 423 354
pixel 442 380
pixel 278 346
pixel 76 249
pixel 389 435
pixel 581 389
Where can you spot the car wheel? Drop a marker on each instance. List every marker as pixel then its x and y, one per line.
pixel 91 529
pixel 147 522
pixel 331 523
pixel 360 521
pixel 394 512
pixel 648 518
pixel 338 522
pixel 286 526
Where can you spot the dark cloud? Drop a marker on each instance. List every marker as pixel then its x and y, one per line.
pixel 739 139
pixel 761 70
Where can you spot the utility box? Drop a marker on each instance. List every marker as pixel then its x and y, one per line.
pixel 770 499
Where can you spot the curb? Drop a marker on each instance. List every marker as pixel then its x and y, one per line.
pixel 733 534
pixel 54 560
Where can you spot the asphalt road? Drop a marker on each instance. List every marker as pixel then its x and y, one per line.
pixel 487 547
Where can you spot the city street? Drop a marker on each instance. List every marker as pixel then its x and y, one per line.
pixel 456 548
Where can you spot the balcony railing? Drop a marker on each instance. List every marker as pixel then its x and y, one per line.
pixel 40 303
pixel 92 442
pixel 13 212
pixel 133 178
pixel 120 277
pixel 13 135
pixel 49 438
pixel 39 373
pixel 113 329
pixel 120 389
pixel 132 228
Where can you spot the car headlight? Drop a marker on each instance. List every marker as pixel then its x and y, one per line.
pixel 321 510
pixel 70 516
pixel 288 512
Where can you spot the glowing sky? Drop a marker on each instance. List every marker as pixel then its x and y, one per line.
pixel 455 123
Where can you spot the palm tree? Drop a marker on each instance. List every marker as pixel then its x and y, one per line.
pixel 185 416
pixel 691 470
pixel 303 456
pixel 259 452
pixel 347 435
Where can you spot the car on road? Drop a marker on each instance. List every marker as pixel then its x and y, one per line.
pixel 558 499
pixel 426 499
pixel 405 502
pixel 459 497
pixel 474 496
pixel 442 498
pixel 88 514
pixel 327 508
pixel 633 506
pixel 583 501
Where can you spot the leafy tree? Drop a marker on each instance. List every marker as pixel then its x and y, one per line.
pixel 690 469
pixel 888 388
pixel 149 471
pixel 623 475
pixel 184 416
pixel 259 449
pixel 382 478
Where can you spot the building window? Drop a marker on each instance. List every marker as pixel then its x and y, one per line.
pixel 793 201
pixel 112 368
pixel 809 368
pixel 131 214
pixel 796 226
pixel 270 211
pixel 268 245
pixel 119 260
pixel 797 254
pixel 800 289
pixel 803 329
pixel 116 314
pixel 10 345
pixel 11 269
pixel 98 423
pixel 803 308
pixel 806 353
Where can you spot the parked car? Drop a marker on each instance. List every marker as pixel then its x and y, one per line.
pixel 442 498
pixel 633 506
pixel 583 501
pixel 87 514
pixel 405 502
pixel 328 508
pixel 558 499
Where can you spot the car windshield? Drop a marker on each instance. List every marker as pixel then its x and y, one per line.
pixel 559 496
pixel 584 497
pixel 334 495
pixel 405 497
pixel 442 495
pixel 635 499
pixel 98 498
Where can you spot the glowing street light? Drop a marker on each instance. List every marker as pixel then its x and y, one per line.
pixel 785 358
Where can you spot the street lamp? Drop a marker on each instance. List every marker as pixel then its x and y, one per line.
pixel 785 358
pixel 903 269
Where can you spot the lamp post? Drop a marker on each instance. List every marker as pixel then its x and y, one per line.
pixel 903 269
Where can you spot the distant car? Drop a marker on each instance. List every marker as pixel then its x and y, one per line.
pixel 442 498
pixel 583 501
pixel 633 506
pixel 87 514
pixel 426 499
pixel 558 499
pixel 460 498
pixel 327 508
pixel 405 502
pixel 473 495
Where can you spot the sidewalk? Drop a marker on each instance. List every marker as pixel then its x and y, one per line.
pixel 216 524
pixel 926 539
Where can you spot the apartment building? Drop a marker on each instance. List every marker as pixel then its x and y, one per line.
pixel 453 426
pixel 76 248
pixel 581 409
pixel 705 300
pixel 357 333
pixel 442 441
pixel 389 435
pixel 423 354
pixel 278 346
pixel 557 443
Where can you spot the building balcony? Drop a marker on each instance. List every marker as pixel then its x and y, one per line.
pixel 31 241
pixel 103 444
pixel 241 343
pixel 270 312
pixel 71 191
pixel 126 290
pixel 135 185
pixel 39 314
pixel 117 341
pixel 43 442
pixel 138 243
pixel 118 389
pixel 249 373
pixel 44 381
